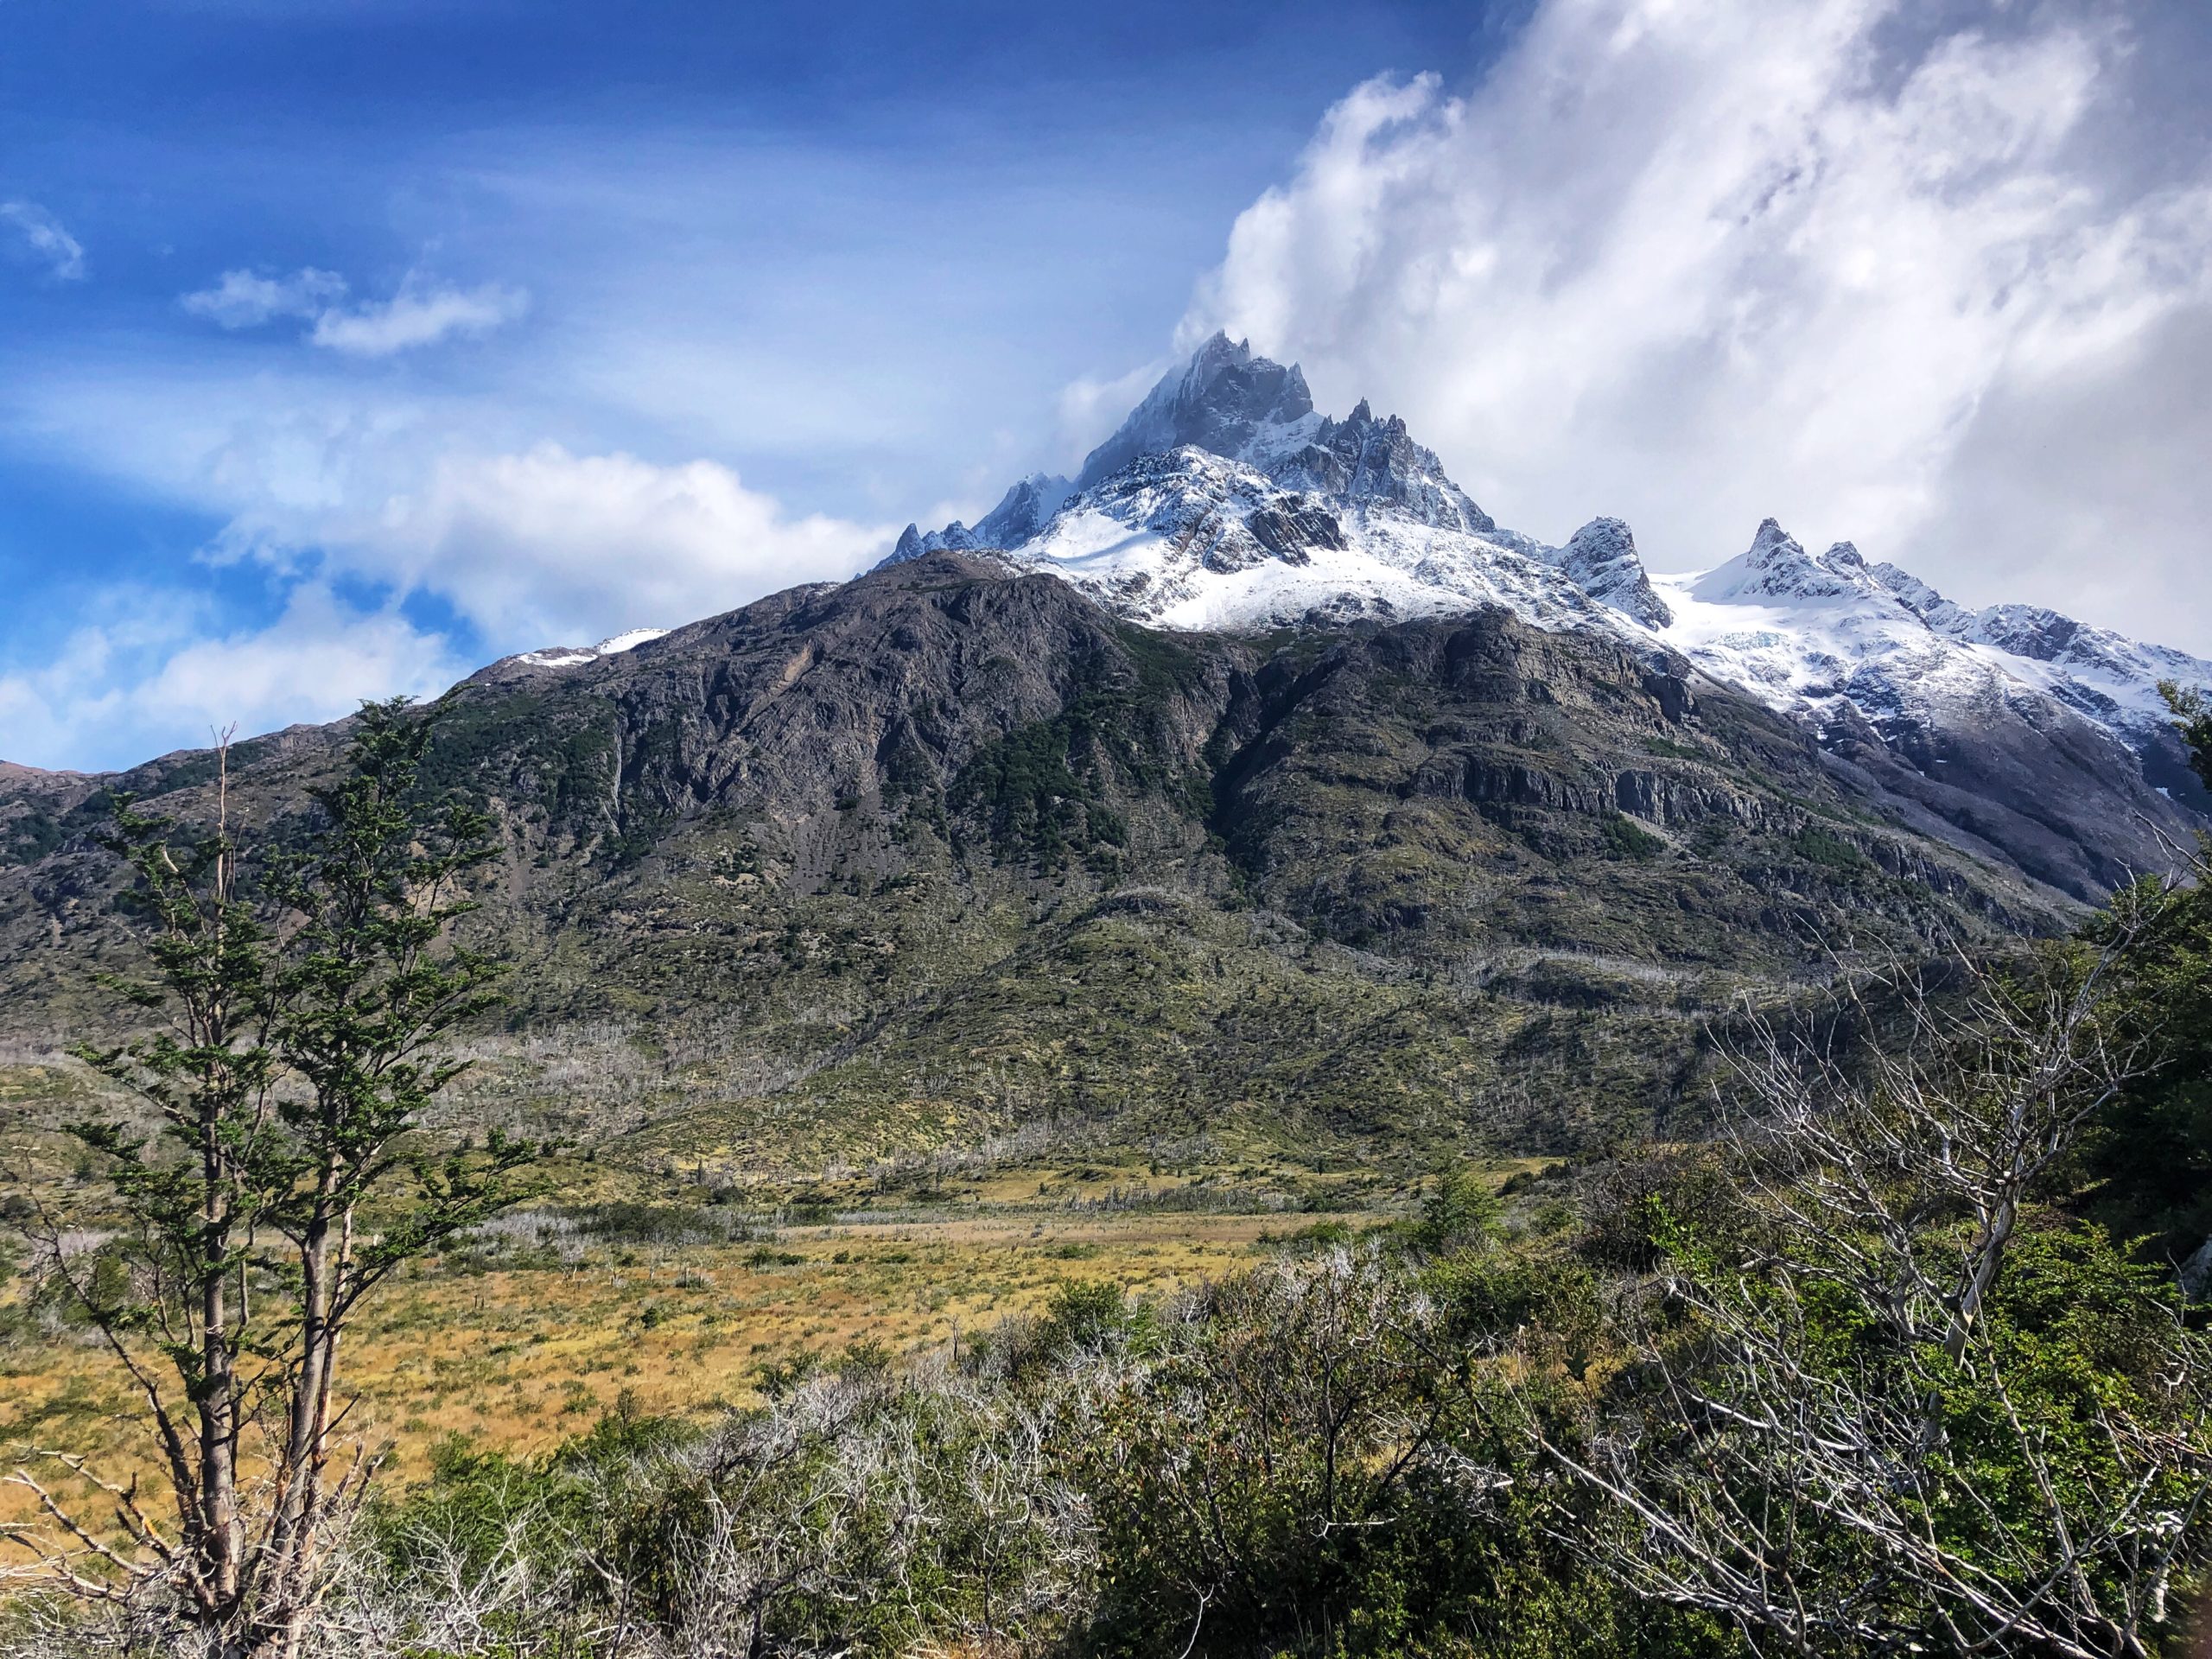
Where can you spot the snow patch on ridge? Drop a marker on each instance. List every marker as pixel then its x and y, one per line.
pixel 1191 540
pixel 576 656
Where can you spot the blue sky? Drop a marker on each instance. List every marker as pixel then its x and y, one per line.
pixel 344 345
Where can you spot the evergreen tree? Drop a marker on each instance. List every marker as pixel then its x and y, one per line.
pixel 291 1078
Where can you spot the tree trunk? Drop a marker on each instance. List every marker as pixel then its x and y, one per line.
pixel 222 1528
pixel 288 1567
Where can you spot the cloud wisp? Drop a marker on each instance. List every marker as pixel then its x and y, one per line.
pixel 1691 265
pixel 420 313
pixel 153 676
pixel 247 299
pixel 43 237
pixel 417 315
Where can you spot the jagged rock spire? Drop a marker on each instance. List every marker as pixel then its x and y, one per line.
pixel 1219 401
pixel 1602 560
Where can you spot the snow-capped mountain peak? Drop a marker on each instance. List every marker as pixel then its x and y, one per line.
pixel 576 656
pixel 1225 400
pixel 2105 677
pixel 1776 566
pixel 1601 559
pixel 1226 501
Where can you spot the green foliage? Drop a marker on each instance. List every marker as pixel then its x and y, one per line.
pixel 1316 1465
pixel 2148 1163
pixel 1710 836
pixel 1870 1368
pixel 1045 791
pixel 1550 1305
pixel 29 836
pixel 1084 1313
pixel 369 982
pixel 1828 849
pixel 2193 720
pixel 1042 789
pixel 296 1055
pixel 559 757
pixel 1342 1456
pixel 1626 838
pixel 1461 1212
pixel 2073 1410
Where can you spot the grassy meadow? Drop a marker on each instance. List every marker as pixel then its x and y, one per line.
pixel 528 1332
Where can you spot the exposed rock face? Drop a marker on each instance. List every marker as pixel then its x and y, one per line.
pixel 1365 461
pixel 1022 512
pixel 1290 529
pixel 852 725
pixel 2197 1274
pixel 1600 558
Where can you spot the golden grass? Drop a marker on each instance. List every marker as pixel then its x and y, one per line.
pixel 521 1359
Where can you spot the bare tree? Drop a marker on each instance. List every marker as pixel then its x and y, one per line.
pixel 1829 1436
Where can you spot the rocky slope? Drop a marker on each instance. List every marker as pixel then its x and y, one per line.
pixel 948 847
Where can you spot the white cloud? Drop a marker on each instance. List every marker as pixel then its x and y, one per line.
pixel 44 237
pixel 531 542
pixel 246 299
pixel 1696 261
pixel 420 313
pixel 144 681
pixel 418 316
pixel 324 482
pixel 535 546
pixel 564 546
pixel 1090 409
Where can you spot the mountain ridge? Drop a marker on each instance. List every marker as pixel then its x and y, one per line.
pixel 1225 501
